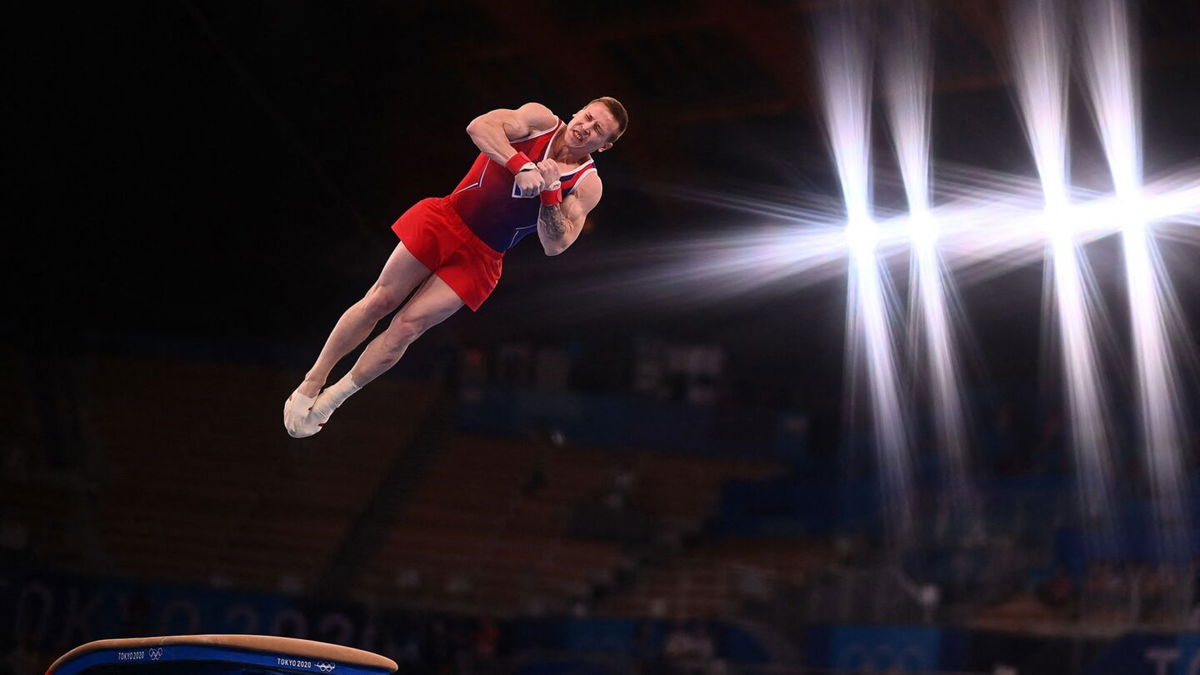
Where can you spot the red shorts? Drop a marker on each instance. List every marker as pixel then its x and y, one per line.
pixel 437 236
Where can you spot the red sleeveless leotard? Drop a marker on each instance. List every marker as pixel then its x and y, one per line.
pixel 487 200
pixel 462 237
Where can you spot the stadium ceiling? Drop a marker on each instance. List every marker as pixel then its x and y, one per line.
pixel 693 62
pixel 686 63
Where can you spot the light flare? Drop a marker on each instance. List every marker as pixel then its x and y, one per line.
pixel 846 86
pixel 985 223
pixel 1113 93
pixel 1039 47
pixel 908 69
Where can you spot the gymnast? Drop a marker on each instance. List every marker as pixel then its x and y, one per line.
pixel 534 172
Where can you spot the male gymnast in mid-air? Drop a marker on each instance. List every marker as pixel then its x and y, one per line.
pixel 534 173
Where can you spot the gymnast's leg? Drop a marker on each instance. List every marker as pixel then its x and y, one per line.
pixel 401 273
pixel 432 304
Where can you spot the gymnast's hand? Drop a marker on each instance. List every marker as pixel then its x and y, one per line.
pixel 550 173
pixel 531 183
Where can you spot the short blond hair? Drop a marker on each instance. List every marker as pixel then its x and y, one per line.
pixel 618 112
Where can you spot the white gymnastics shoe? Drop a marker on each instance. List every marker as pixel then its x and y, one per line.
pixel 298 417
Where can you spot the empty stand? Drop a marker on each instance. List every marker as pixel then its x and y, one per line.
pixel 195 486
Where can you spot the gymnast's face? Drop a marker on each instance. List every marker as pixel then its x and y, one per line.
pixel 590 128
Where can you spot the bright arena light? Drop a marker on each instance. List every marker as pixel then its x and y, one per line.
pixel 987 223
pixel 909 72
pixel 846 82
pixel 1132 214
pixel 1039 48
pixel 862 236
pixel 1112 89
pixel 965 226
pixel 923 230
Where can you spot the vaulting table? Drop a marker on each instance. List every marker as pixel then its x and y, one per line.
pixel 218 655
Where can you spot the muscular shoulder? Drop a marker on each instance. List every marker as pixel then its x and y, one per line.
pixel 589 190
pixel 529 119
pixel 536 117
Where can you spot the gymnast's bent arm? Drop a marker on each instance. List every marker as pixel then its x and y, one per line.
pixel 560 224
pixel 494 131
